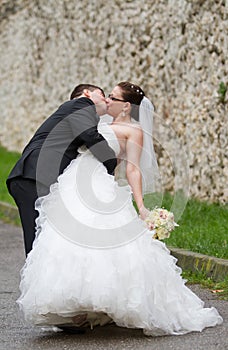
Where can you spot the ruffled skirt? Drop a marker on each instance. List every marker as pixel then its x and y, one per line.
pixel 133 281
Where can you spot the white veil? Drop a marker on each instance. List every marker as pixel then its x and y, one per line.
pixel 148 162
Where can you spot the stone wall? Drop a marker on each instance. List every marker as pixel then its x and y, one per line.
pixel 175 49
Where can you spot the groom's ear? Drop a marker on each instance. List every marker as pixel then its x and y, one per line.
pixel 87 93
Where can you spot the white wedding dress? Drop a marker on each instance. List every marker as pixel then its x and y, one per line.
pixel 81 264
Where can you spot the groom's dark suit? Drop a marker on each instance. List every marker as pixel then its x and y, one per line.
pixel 48 153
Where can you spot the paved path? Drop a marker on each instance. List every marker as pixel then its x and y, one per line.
pixel 15 335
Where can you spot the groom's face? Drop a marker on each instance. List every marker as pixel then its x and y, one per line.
pixel 99 100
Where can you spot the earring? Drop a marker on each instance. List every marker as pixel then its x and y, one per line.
pixel 123 114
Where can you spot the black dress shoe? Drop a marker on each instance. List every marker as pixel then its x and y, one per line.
pixel 72 329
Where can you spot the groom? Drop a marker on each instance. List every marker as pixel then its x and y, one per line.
pixel 52 148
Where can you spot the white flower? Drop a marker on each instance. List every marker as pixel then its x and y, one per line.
pixel 161 222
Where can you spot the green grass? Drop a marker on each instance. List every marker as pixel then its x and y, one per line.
pixel 203 226
pixel 9 219
pixel 219 289
pixel 7 161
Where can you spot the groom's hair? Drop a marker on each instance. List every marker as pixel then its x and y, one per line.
pixel 78 90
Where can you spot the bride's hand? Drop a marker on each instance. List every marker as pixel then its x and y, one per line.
pixel 143 212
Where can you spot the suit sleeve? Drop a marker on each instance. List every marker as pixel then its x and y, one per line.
pixel 84 126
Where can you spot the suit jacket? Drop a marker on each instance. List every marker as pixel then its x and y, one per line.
pixel 57 140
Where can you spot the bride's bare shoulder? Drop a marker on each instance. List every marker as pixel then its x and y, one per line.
pixel 134 128
pixel 127 126
pixel 130 131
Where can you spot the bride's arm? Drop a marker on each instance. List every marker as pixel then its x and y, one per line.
pixel 134 146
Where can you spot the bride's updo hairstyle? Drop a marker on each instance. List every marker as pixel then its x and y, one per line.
pixel 134 94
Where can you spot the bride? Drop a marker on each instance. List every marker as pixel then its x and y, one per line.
pixel 93 260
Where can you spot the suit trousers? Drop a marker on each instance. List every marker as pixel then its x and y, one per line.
pixel 24 192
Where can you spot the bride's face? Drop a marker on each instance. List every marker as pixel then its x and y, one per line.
pixel 115 102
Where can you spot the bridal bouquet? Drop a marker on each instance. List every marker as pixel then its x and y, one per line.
pixel 161 221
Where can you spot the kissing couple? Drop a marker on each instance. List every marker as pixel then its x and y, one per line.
pixel 91 259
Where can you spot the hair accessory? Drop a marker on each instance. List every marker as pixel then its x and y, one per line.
pixel 137 90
